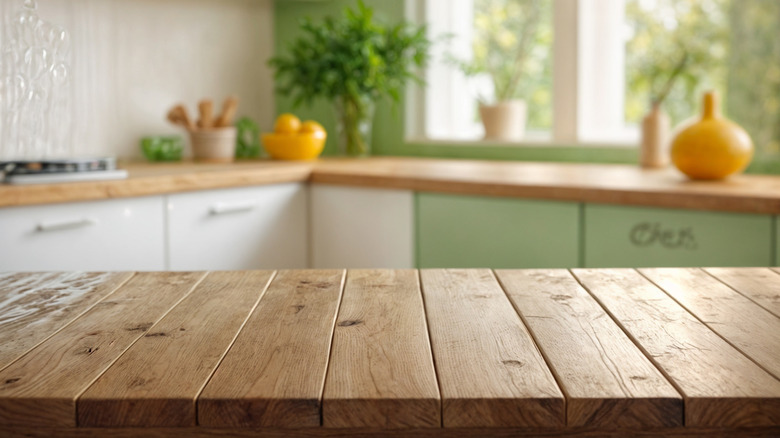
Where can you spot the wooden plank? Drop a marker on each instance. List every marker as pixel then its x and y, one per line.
pixel 40 388
pixel 743 323
pixel 608 382
pixel 490 372
pixel 381 370
pixel 35 306
pixel 274 374
pixel 12 282
pixel 721 386
pixel 762 285
pixel 155 383
pixel 324 432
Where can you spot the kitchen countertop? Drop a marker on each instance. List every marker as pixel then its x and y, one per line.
pixel 604 352
pixel 598 183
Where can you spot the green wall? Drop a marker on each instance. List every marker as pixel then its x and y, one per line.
pixel 388 136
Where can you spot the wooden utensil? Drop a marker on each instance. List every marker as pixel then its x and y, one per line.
pixel 206 108
pixel 228 112
pixel 178 116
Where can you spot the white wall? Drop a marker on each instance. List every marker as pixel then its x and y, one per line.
pixel 131 60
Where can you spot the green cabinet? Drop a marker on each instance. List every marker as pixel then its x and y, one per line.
pixel 478 231
pixel 776 260
pixel 620 236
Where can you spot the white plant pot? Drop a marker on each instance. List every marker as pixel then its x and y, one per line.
pixel 505 120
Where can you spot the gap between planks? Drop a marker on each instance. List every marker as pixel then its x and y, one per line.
pixel 633 339
pixel 772 307
pixel 729 340
pixel 713 396
pixel 430 345
pixel 332 335
pixel 619 387
pixel 232 342
pixel 553 371
pixel 86 387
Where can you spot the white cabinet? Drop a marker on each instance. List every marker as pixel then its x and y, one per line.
pixel 361 228
pixel 244 228
pixel 111 235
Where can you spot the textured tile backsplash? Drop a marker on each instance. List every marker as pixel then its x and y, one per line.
pixel 129 61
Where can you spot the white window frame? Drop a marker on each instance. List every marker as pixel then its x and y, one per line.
pixel 583 78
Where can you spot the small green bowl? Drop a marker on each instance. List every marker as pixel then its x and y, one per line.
pixel 162 148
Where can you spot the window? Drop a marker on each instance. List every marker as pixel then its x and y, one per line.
pixel 476 33
pixel 594 66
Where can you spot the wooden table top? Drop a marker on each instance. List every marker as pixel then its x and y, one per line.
pixel 586 352
pixel 610 184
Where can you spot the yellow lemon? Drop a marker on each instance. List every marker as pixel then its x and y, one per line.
pixel 312 127
pixel 287 124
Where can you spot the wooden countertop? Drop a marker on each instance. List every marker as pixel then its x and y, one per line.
pixel 611 184
pixel 673 352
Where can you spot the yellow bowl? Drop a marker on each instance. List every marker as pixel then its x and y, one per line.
pixel 294 146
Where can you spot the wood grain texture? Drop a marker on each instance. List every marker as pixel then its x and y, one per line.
pixel 600 183
pixel 607 381
pixel 41 387
pixel 35 306
pixel 490 372
pixel 323 432
pixel 609 184
pixel 721 387
pixel 274 374
pixel 381 370
pixel 762 285
pixel 146 179
pixel 743 323
pixel 155 383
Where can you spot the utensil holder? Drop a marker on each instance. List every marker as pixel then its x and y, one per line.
pixel 214 145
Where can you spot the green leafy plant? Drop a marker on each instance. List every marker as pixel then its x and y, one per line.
pixel 247 138
pixel 162 148
pixel 658 97
pixel 675 52
pixel 353 61
pixel 508 36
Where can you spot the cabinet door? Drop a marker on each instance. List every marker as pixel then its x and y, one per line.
pixel 473 232
pixel 112 235
pixel 619 236
pixel 245 228
pixel 362 228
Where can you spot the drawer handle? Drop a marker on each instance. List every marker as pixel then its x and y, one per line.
pixel 236 207
pixel 65 224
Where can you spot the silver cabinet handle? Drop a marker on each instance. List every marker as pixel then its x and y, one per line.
pixel 65 224
pixel 233 207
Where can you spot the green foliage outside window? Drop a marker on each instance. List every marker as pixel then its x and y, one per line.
pixel 662 32
pixel 754 72
pixel 733 47
pixel 513 45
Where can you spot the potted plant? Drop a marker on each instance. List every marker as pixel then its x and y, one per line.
pixel 502 49
pixel 353 61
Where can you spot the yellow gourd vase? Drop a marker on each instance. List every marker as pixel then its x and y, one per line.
pixel 712 148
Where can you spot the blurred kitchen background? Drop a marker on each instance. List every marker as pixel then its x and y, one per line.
pixel 124 63
pixel 589 74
